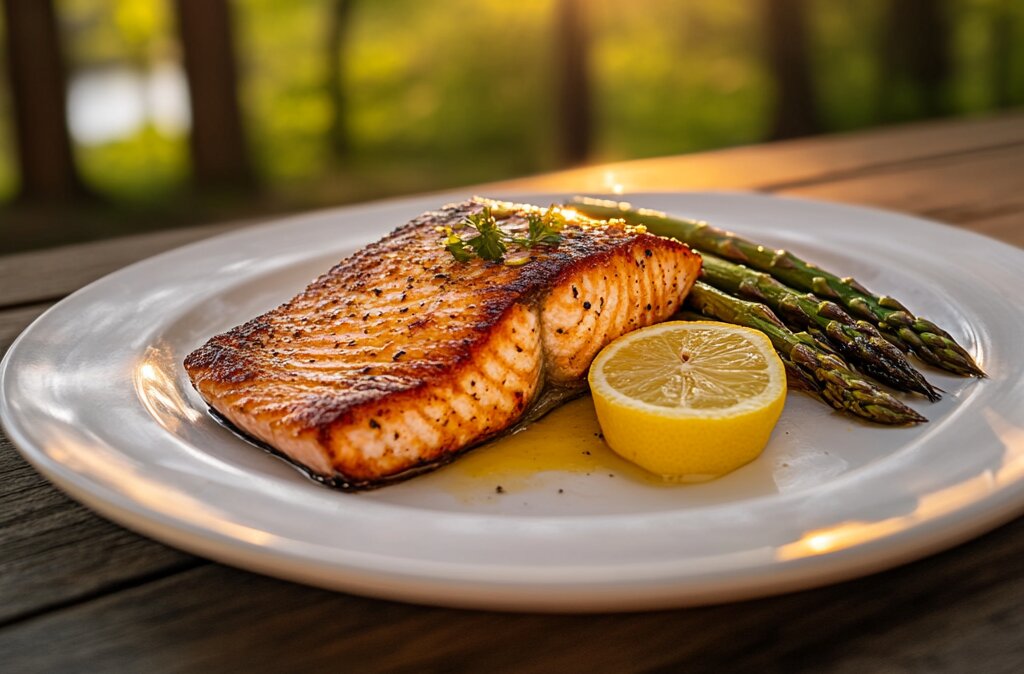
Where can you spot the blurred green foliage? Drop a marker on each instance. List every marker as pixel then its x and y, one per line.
pixel 452 92
pixel 8 181
pixel 438 93
pixel 677 77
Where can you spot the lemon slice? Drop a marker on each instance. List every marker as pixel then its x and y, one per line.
pixel 689 401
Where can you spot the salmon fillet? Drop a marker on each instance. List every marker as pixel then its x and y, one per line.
pixel 401 357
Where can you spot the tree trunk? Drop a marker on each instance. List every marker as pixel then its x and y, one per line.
pixel 37 81
pixel 916 63
pixel 1002 54
pixel 573 83
pixel 220 157
pixel 796 110
pixel 337 32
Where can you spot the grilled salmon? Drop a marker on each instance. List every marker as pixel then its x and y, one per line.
pixel 401 356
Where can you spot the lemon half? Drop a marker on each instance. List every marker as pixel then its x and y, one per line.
pixel 689 401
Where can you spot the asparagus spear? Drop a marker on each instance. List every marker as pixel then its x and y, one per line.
pixel 836 383
pixel 926 340
pixel 859 342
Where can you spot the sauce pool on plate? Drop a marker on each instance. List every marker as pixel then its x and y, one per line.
pixel 566 440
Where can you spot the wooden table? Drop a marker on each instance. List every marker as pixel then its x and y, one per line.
pixel 78 593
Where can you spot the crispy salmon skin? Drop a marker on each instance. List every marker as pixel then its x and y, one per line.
pixel 401 356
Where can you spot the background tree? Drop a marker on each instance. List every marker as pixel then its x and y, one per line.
pixel 796 111
pixel 916 60
pixel 220 157
pixel 338 20
pixel 1004 35
pixel 575 124
pixel 37 81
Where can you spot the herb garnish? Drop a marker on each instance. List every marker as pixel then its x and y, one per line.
pixel 456 246
pixel 543 229
pixel 491 242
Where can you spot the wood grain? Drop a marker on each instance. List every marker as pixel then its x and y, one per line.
pixel 47 275
pixel 943 614
pixel 774 166
pixel 113 600
pixel 959 189
pixel 54 551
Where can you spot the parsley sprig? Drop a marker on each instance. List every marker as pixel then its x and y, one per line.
pixel 491 242
pixel 543 229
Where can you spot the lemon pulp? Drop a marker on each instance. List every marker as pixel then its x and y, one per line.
pixel 688 400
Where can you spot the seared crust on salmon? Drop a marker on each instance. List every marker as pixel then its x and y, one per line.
pixel 401 357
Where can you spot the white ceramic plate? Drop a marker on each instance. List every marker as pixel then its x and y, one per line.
pixel 94 396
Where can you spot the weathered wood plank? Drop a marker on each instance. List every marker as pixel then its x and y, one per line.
pixel 55 551
pixel 775 165
pixel 46 275
pixel 980 187
pixel 937 615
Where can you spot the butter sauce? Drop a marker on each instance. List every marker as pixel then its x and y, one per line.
pixel 567 440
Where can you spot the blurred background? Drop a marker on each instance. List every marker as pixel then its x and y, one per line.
pixel 124 116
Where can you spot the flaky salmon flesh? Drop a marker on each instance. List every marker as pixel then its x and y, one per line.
pixel 401 357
